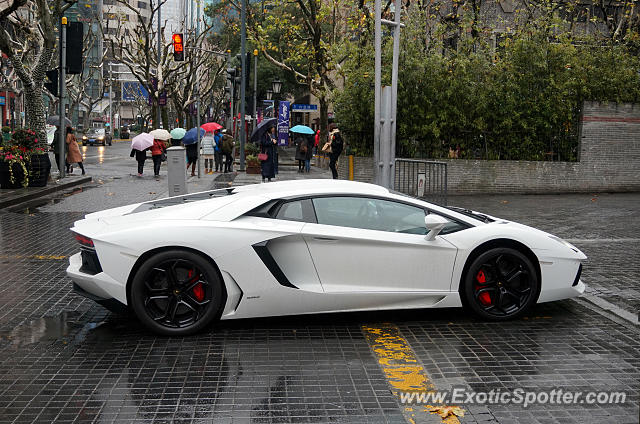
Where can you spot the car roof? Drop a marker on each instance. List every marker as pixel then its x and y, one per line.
pixel 281 189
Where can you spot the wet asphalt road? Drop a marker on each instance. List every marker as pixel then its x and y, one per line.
pixel 66 359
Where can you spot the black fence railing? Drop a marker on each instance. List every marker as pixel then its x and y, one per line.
pixel 422 179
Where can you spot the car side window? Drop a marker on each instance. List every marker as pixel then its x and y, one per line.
pixel 370 214
pixel 291 211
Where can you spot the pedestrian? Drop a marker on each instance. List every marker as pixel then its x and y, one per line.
pixel 141 156
pixel 336 144
pixel 268 146
pixel 192 157
pixel 208 152
pixel 301 151
pixel 309 155
pixel 218 150
pixel 157 150
pixel 73 152
pixel 316 141
pixel 55 146
pixel 227 150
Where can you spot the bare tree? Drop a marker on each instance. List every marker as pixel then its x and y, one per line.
pixel 28 38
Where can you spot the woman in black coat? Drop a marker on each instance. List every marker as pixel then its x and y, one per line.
pixel 268 146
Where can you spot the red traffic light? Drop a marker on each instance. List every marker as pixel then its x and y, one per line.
pixel 178 47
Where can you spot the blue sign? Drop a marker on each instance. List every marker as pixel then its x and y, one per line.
pixel 301 107
pixel 132 90
pixel 283 123
pixel 2 100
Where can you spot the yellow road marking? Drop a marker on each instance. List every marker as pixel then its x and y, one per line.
pixel 40 257
pixel 402 369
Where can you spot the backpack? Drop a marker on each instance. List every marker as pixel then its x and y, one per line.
pixel 336 143
pixel 227 144
pixel 303 146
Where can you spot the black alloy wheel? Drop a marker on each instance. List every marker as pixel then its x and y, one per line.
pixel 500 284
pixel 176 293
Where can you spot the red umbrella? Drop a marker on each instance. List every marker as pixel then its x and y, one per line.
pixel 211 126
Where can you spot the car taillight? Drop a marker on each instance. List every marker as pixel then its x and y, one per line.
pixel 84 241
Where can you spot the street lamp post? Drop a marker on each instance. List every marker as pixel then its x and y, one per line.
pixel 269 97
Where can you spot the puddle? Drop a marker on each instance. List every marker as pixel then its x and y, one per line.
pixel 43 329
pixel 31 207
pixel 67 329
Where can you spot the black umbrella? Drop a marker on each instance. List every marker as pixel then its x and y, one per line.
pixel 55 120
pixel 263 126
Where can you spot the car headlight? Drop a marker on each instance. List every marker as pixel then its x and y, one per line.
pixel 101 137
pixel 84 137
pixel 566 243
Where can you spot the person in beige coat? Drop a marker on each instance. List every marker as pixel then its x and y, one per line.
pixel 73 153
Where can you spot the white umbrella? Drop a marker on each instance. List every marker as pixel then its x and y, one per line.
pixel 142 141
pixel 161 134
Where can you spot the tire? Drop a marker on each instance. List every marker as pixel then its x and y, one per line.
pixel 500 284
pixel 176 293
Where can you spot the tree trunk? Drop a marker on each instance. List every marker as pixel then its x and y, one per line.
pixel 324 120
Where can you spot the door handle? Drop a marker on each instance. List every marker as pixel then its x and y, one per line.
pixel 325 239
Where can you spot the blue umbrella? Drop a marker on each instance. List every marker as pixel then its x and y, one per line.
pixel 192 136
pixel 302 129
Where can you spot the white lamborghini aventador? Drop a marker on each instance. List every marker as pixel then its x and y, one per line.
pixel 310 246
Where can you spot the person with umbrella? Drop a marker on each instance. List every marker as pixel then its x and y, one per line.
pixel 303 146
pixel 73 152
pixel 190 142
pixel 176 136
pixel 139 146
pixel 56 150
pixel 268 147
pixel 208 151
pixel 217 138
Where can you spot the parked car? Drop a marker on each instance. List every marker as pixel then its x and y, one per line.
pixel 96 136
pixel 312 246
pixel 124 132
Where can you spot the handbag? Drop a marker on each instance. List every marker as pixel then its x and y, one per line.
pixel 163 157
pixel 327 147
pixel 262 156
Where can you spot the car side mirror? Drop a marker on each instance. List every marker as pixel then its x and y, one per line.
pixel 435 224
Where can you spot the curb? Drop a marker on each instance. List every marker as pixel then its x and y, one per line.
pixel 14 200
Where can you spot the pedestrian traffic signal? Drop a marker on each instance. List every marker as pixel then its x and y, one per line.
pixel 178 48
pixel 51 82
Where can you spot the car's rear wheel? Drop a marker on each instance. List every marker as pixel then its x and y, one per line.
pixel 500 284
pixel 176 293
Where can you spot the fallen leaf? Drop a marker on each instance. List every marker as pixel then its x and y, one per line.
pixel 152 192
pixel 594 199
pixel 446 411
pixel 110 194
pixel 504 202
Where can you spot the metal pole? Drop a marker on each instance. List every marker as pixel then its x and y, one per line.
pixel 255 87
pixel 198 94
pixel 394 94
pixel 61 87
pixel 378 83
pixel 159 74
pixel 110 101
pixel 243 81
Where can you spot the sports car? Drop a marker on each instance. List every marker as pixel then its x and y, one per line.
pixel 312 246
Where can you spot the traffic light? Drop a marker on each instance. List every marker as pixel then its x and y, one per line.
pixel 75 34
pixel 231 74
pixel 51 82
pixel 178 48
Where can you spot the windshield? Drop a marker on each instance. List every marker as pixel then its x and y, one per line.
pixel 96 131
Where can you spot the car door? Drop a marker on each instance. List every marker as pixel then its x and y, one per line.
pixel 370 244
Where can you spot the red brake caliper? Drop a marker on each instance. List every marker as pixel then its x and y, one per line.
pixel 198 292
pixel 485 297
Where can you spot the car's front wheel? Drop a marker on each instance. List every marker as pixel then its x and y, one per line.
pixel 176 293
pixel 500 284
